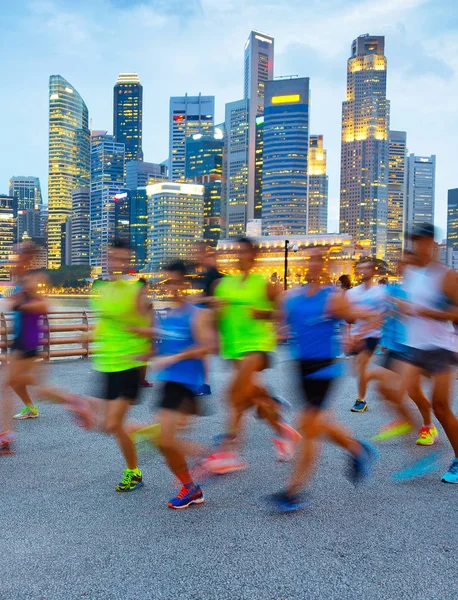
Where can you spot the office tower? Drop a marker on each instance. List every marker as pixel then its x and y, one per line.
pixel 258 165
pixel 396 196
pixel 43 221
pixel 80 246
pixel 28 225
pixel 107 181
pixel 204 165
pixel 421 185
pixel 364 153
pixel 140 173
pixel 6 235
pixel 285 155
pixel 122 217
pixel 69 158
pixel 138 230
pixel 66 242
pixel 175 221
pixel 259 68
pixel 236 167
pixel 26 192
pixel 452 229
pixel 188 115
pixel 317 210
pixel 128 114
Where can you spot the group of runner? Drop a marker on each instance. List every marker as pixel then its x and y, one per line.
pixel 242 317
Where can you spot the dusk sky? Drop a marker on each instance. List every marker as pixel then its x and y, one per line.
pixel 193 46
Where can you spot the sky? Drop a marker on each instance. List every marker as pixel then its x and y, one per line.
pixel 193 46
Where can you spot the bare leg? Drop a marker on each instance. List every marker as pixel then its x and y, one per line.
pixel 362 360
pixel 115 414
pixel 442 409
pixel 171 448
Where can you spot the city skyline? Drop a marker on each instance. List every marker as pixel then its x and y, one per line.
pixel 415 62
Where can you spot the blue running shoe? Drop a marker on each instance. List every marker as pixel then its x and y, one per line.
pixel 359 406
pixel 362 465
pixel 451 476
pixel 204 390
pixel 283 502
pixel 419 468
pixel 188 495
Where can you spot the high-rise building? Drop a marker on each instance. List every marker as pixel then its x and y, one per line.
pixel 69 158
pixel 364 155
pixel 236 167
pixel 6 235
pixel 26 192
pixel 44 221
pixel 285 155
pixel 28 224
pixel 452 229
pixel 259 69
pixel 204 165
pixel 175 221
pixel 317 209
pixel 396 196
pixel 122 217
pixel 421 186
pixel 128 114
pixel 80 244
pixel 66 241
pixel 138 230
pixel 258 166
pixel 140 174
pixel 107 182
pixel 188 115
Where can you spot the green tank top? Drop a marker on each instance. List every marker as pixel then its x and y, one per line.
pixel 240 333
pixel 116 349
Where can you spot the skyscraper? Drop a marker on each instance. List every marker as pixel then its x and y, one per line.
pixel 69 158
pixel 128 114
pixel 107 181
pixel 175 221
pixel 26 192
pixel 421 186
pixel 258 166
pixel 28 224
pixel 188 115
pixel 80 245
pixel 364 155
pixel 204 165
pixel 6 235
pixel 285 155
pixel 138 226
pixel 236 167
pixel 396 196
pixel 259 68
pixel 140 173
pixel 452 229
pixel 317 209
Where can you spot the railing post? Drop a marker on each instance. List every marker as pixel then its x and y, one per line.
pixel 47 329
pixel 86 342
pixel 4 336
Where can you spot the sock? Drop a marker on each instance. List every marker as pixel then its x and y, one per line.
pixel 430 426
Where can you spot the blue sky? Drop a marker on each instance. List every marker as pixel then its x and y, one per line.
pixel 193 46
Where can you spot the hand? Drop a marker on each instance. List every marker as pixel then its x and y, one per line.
pixel 258 313
pixel 407 308
pixel 163 362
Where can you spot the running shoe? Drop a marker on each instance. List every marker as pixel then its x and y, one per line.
pixel 393 430
pixel 204 390
pixel 451 476
pixel 6 443
pixel 145 384
pixel 28 412
pixel 362 465
pixel 359 406
pixel 419 468
pixel 188 495
pixel 283 502
pixel 284 449
pixel 131 481
pixel 222 463
pixel 147 438
pixel 427 436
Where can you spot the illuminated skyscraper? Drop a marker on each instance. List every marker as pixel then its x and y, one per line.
pixel 364 156
pixel 285 156
pixel 421 186
pixel 140 173
pixel 26 192
pixel 6 235
pixel 396 196
pixel 188 115
pixel 69 158
pixel 128 114
pixel 236 167
pixel 258 166
pixel 80 244
pixel 452 229
pixel 138 226
pixel 317 209
pixel 259 68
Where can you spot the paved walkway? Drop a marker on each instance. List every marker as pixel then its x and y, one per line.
pixel 67 535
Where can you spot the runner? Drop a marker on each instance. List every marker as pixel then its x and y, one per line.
pixel 313 314
pixel 247 338
pixel 432 292
pixel 365 334
pixel 144 383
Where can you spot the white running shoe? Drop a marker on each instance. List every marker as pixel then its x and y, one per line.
pixel 28 412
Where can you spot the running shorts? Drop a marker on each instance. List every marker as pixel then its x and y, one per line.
pixel 391 357
pixel 176 396
pixel 432 361
pixel 121 384
pixel 23 352
pixel 315 390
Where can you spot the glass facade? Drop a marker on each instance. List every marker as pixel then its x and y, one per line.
pixel 26 192
pixel 452 228
pixel 6 235
pixel 139 226
pixel 236 167
pixel 364 150
pixel 69 158
pixel 317 210
pixel 80 246
pixel 285 156
pixel 396 197
pixel 258 164
pixel 128 114
pixel 421 186
pixel 140 173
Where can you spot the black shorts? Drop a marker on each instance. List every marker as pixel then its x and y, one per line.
pixel 433 361
pixel 370 344
pixel 121 384
pixel 391 357
pixel 315 390
pixel 23 352
pixel 176 396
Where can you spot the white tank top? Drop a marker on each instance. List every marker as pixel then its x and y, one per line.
pixel 423 286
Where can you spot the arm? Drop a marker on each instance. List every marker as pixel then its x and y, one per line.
pixel 450 290
pixel 341 308
pixel 37 305
pixel 273 294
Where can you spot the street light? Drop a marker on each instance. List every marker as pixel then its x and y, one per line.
pixel 288 247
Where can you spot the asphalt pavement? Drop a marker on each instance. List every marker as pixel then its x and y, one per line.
pixel 66 534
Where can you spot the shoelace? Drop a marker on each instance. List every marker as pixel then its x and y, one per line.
pixel 454 468
pixel 424 432
pixel 184 490
pixel 127 477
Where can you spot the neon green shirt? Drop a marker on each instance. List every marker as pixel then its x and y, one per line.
pixel 240 333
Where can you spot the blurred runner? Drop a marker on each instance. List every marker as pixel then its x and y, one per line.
pixel 144 383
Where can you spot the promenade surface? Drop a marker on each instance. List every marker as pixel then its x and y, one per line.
pixel 65 534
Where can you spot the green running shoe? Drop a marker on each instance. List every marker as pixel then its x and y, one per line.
pixel 28 412
pixel 393 430
pixel 131 481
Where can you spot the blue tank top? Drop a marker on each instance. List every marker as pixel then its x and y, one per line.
pixel 175 335
pixel 394 328
pixel 314 333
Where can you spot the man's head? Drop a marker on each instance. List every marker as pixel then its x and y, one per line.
pixel 23 257
pixel 345 282
pixel 423 241
pixel 176 277
pixel 315 263
pixel 247 251
pixel 366 270
pixel 205 255
pixel 119 255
